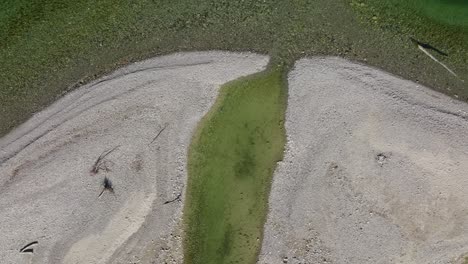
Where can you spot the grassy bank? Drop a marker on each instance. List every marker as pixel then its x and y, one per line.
pixel 48 46
pixel 441 24
pixel 231 162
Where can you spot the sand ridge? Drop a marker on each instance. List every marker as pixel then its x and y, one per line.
pixel 374 170
pixel 49 194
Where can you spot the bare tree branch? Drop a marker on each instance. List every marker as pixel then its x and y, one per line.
pixel 27 249
pixel 100 163
pixel 175 199
pixel 159 133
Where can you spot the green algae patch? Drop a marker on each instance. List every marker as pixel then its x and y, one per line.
pixel 231 162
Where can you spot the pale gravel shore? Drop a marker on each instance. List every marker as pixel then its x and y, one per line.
pixel 375 171
pixel 47 193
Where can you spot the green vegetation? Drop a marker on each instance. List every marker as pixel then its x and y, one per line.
pixel 438 23
pixel 47 47
pixel 231 162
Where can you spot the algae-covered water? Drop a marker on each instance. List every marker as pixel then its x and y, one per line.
pixel 450 12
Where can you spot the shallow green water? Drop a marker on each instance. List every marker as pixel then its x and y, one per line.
pixel 450 12
pixel 231 162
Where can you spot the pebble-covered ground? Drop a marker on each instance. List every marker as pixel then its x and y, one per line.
pixel 375 170
pixel 51 176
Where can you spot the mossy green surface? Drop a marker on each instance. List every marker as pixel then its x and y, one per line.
pixel 436 23
pixel 49 47
pixel 231 163
pixel 448 12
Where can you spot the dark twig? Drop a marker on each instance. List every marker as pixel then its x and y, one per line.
pixel 428 46
pixel 159 133
pixel 175 199
pixel 26 248
pixel 107 185
pixel 100 164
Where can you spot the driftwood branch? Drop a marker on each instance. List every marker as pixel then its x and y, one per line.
pixel 428 46
pixel 424 47
pixel 159 133
pixel 100 164
pixel 26 248
pixel 175 199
